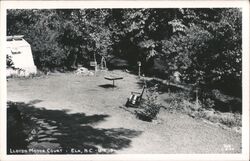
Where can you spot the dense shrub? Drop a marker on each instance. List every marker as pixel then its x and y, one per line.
pixel 150 107
pixel 9 62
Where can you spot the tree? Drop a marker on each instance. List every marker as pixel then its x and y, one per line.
pixel 203 44
pixel 206 47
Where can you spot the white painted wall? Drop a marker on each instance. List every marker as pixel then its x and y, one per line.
pixel 21 54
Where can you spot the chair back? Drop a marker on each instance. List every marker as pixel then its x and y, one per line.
pixel 143 89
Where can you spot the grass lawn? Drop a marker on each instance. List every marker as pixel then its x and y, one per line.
pixel 73 113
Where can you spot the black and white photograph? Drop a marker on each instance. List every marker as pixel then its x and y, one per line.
pixel 95 81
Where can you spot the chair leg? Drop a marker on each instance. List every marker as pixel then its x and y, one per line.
pixel 127 103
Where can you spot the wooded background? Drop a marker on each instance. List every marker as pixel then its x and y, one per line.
pixel 203 44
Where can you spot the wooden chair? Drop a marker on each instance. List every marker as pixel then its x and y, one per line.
pixel 135 98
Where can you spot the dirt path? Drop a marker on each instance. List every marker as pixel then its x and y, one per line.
pixel 75 111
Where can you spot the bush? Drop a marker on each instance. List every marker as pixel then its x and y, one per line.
pixel 179 101
pixel 149 107
pixel 208 103
pixel 9 62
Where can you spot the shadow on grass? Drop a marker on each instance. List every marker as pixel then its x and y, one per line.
pixel 107 86
pixel 40 128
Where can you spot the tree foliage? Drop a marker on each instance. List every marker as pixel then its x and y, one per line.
pixel 203 44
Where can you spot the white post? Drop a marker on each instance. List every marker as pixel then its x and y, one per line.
pixel 95 64
pixel 197 99
pixel 139 70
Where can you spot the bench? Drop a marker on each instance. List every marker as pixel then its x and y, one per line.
pixel 113 78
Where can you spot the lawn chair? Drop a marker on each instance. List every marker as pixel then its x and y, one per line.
pixel 135 98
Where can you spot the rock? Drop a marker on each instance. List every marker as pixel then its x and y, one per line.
pixel 51 127
pixel 91 74
pixel 47 139
pixel 82 70
pixel 208 114
pixel 33 132
pixel 157 121
pixel 41 136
